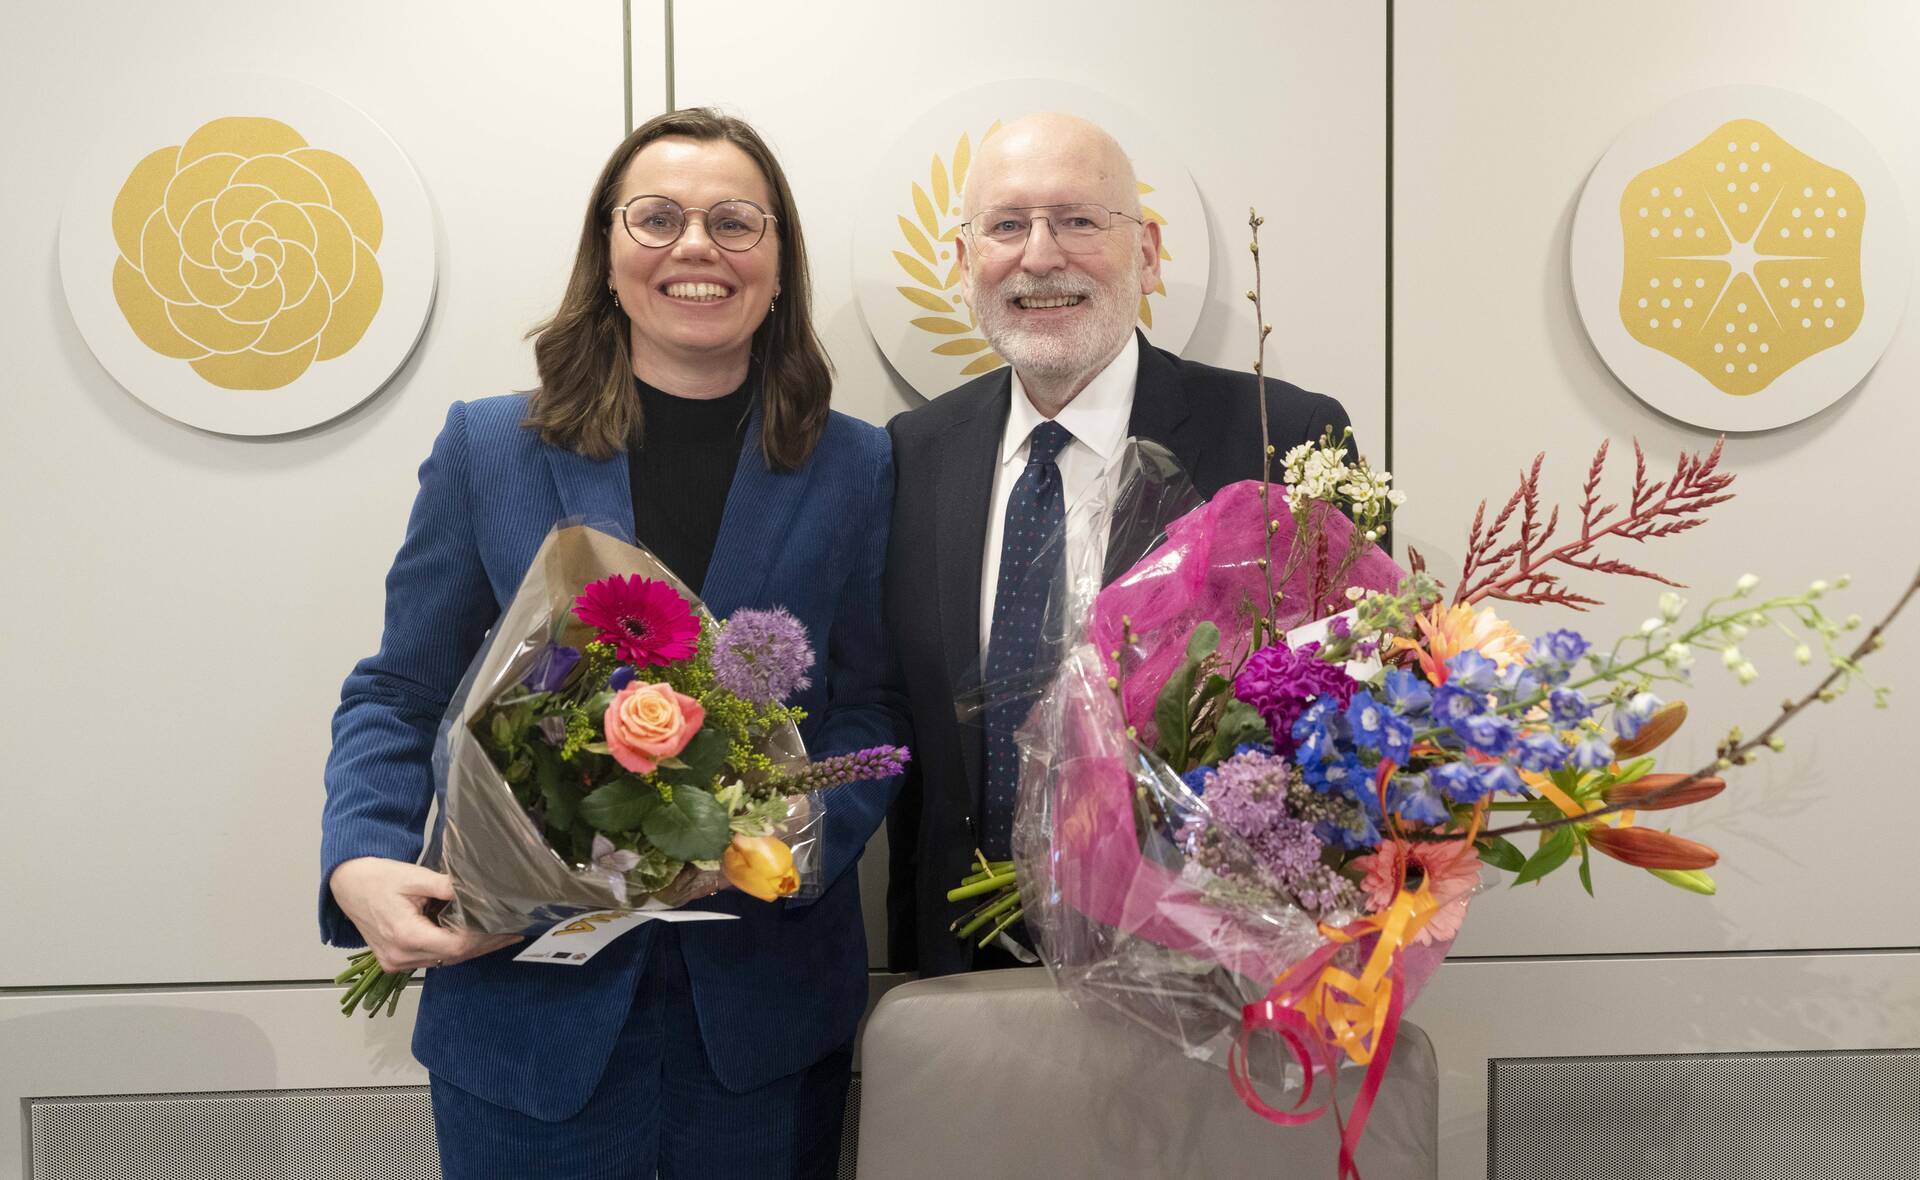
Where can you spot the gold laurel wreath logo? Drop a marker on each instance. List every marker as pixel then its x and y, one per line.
pixel 929 238
pixel 247 253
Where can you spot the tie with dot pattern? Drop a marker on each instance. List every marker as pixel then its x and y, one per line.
pixel 1036 512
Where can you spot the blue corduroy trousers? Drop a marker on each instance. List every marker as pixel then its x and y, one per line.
pixel 659 1111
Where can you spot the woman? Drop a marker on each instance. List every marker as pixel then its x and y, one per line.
pixel 683 396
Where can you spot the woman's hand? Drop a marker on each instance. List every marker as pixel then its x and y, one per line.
pixel 384 899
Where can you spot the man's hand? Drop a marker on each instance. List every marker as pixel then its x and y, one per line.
pixel 384 898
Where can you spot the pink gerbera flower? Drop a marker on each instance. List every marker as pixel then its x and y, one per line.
pixel 1451 870
pixel 646 621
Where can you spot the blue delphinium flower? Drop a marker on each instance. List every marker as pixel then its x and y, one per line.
pixel 1540 752
pixel 1196 779
pixel 1471 670
pixel 1488 733
pixel 1592 752
pixel 1414 798
pixel 1568 706
pixel 1628 718
pixel 1318 733
pixel 1556 652
pixel 1368 718
pixel 1518 683
pixel 1408 692
pixel 1500 776
pixel 1343 775
pixel 1454 706
pixel 1458 782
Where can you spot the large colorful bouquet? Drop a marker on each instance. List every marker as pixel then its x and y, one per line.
pixel 1259 791
pixel 614 746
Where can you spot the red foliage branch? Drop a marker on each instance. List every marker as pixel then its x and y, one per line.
pixel 1516 568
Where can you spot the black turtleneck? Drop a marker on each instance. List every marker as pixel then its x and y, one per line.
pixel 680 472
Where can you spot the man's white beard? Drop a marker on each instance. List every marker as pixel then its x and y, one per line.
pixel 1059 361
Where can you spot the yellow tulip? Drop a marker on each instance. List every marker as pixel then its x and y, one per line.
pixel 761 866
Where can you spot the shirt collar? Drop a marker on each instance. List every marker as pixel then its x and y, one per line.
pixel 1096 417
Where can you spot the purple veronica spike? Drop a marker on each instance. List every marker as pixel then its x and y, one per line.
pixel 762 656
pixel 874 762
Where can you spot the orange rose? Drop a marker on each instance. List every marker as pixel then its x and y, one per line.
pixel 647 723
pixel 761 866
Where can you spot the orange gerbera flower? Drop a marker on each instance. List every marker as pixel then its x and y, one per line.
pixel 1450 630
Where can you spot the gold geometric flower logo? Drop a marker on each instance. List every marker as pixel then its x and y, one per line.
pixel 247 253
pixel 1742 257
pixel 929 262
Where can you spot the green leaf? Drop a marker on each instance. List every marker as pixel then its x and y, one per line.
pixel 620 806
pixel 691 826
pixel 1171 714
pixel 562 797
pixel 1239 724
pixel 1499 852
pixel 1552 854
pixel 699 764
pixel 1633 770
pixel 1586 869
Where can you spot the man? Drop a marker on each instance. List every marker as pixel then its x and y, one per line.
pixel 1055 258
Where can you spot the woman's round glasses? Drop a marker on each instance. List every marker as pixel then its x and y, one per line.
pixel 656 222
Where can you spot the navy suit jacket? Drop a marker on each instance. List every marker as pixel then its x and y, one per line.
pixel 780 987
pixel 946 451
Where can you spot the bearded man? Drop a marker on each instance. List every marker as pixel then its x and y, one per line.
pixel 1055 258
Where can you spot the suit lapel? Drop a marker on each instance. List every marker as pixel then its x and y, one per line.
pixel 1163 410
pixel 758 518
pixel 963 497
pixel 595 491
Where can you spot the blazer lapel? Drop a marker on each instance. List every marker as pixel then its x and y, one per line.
pixel 754 526
pixel 962 498
pixel 594 491
pixel 1163 410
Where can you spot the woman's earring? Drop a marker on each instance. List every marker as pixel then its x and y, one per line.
pixel 774 302
pixel 614 293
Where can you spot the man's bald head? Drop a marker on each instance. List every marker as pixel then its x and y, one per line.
pixel 1049 159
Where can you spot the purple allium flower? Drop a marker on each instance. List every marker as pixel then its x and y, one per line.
pixel 551 668
pixel 874 762
pixel 1279 681
pixel 762 656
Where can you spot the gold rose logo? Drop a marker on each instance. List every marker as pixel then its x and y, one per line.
pixel 1742 257
pixel 247 253
pixel 929 262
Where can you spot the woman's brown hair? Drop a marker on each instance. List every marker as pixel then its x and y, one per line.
pixel 586 399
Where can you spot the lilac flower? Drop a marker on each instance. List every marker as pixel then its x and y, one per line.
pixel 551 668
pixel 762 656
pixel 1563 648
pixel 1488 733
pixel 1473 671
pixel 1414 798
pixel 1540 752
pixel 1454 706
pixel 1279 681
pixel 613 863
pixel 1593 752
pixel 1499 776
pixel 874 762
pixel 1568 706
pixel 1458 782
pixel 1408 692
pixel 1252 795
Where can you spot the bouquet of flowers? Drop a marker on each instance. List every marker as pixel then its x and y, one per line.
pixel 1259 791
pixel 614 746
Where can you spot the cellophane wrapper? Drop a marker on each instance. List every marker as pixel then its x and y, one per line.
pixel 507 878
pixel 1121 913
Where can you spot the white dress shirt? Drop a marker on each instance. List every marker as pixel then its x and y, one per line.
pixel 1097 419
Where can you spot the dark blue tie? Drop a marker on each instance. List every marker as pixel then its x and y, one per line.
pixel 1036 512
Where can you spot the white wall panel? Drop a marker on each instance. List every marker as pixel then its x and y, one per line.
pixel 181 608
pixel 1502 109
pixel 1278 105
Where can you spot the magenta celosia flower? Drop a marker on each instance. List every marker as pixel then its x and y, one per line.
pixel 1279 681
pixel 762 656
pixel 647 622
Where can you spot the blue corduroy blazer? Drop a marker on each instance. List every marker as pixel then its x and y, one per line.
pixel 777 989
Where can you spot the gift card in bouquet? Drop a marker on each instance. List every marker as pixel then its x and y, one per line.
pixel 572 941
